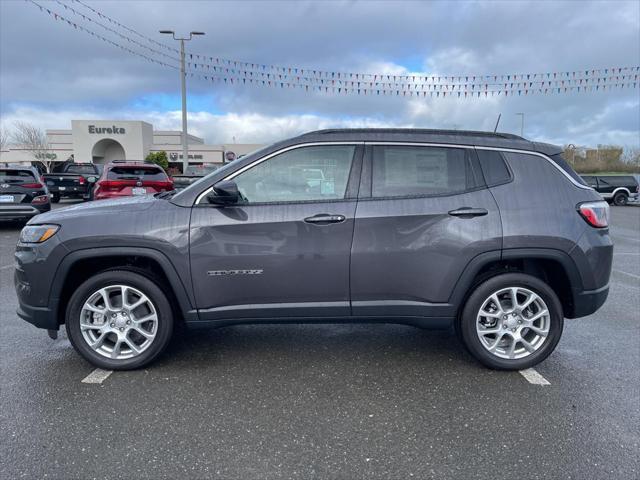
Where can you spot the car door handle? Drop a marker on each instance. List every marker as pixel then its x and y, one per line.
pixel 468 212
pixel 325 219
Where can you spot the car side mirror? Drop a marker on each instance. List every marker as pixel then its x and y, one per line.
pixel 224 193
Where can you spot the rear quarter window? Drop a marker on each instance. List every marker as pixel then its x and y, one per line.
pixel 494 167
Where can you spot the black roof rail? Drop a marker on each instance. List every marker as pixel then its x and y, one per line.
pixel 424 131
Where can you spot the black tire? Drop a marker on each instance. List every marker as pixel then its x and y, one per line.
pixel 467 321
pixel 55 197
pixel 620 199
pixel 144 285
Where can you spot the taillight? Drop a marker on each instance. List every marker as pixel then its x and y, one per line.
pixel 40 199
pixel 115 185
pixel 81 180
pixel 32 185
pixel 595 214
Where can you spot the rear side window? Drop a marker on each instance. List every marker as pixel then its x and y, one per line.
pixel 493 167
pixel 619 181
pixel 400 171
pixel 16 176
pixel 137 173
pixel 559 160
pixel 81 169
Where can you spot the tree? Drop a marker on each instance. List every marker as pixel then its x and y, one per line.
pixel 35 141
pixel 4 137
pixel 159 158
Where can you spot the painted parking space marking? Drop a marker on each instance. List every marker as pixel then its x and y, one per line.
pixel 632 275
pixel 534 377
pixel 4 267
pixel 97 376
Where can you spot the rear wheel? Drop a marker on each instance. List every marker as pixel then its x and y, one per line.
pixel 55 197
pixel 511 322
pixel 620 199
pixel 119 320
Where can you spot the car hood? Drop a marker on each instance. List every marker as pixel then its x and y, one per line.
pixel 127 205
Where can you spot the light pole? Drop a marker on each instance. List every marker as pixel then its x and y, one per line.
pixel 521 124
pixel 183 77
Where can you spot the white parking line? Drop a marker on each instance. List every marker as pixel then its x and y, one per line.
pixel 627 273
pixel 97 376
pixel 5 267
pixel 534 377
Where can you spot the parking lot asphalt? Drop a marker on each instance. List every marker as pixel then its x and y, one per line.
pixel 329 401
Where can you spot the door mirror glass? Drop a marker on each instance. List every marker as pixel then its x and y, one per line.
pixel 224 193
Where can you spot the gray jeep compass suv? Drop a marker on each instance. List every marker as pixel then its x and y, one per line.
pixel 486 232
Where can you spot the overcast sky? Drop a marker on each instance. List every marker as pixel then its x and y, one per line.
pixel 51 73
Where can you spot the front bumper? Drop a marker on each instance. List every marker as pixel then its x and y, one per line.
pixel 41 317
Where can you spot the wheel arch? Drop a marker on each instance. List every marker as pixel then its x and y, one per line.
pixel 555 267
pixel 74 269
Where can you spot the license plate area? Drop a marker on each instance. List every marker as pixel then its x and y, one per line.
pixel 139 191
pixel 6 199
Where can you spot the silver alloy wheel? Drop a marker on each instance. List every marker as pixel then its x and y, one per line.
pixel 118 322
pixel 513 323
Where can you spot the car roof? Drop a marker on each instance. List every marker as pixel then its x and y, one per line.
pixel 423 135
pixel 17 166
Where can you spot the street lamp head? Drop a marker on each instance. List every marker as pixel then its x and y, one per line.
pixel 167 32
pixel 197 33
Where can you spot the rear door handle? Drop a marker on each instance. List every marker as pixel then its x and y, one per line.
pixel 468 212
pixel 325 219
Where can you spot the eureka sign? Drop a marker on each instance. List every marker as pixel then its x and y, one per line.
pixel 110 130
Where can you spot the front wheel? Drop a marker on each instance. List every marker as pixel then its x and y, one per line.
pixel 119 320
pixel 620 199
pixel 511 322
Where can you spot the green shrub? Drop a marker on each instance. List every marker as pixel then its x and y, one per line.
pixel 159 158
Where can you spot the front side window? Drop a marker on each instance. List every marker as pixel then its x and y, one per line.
pixel 303 174
pixel 404 171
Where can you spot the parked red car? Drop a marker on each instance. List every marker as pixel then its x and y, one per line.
pixel 124 179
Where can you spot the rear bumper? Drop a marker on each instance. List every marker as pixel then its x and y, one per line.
pixel 10 212
pixel 69 191
pixel 587 302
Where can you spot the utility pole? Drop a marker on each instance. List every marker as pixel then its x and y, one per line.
pixel 183 78
pixel 521 124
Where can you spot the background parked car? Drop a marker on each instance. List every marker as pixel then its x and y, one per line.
pixel 193 173
pixel 616 189
pixel 123 179
pixel 73 180
pixel 23 193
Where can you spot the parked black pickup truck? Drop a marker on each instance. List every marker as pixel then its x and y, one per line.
pixel 75 180
pixel 616 189
pixel 193 174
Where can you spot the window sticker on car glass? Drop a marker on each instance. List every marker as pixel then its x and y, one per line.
pixel 327 187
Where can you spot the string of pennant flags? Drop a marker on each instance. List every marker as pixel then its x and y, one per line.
pixel 231 72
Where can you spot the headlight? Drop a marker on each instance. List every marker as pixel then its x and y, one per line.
pixel 37 233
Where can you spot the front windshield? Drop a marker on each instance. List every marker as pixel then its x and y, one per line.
pixel 222 169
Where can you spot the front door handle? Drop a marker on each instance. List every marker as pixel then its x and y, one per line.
pixel 468 212
pixel 325 219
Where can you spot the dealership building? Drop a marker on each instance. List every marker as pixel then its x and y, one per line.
pixel 102 141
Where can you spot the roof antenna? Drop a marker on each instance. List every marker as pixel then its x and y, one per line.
pixel 497 123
